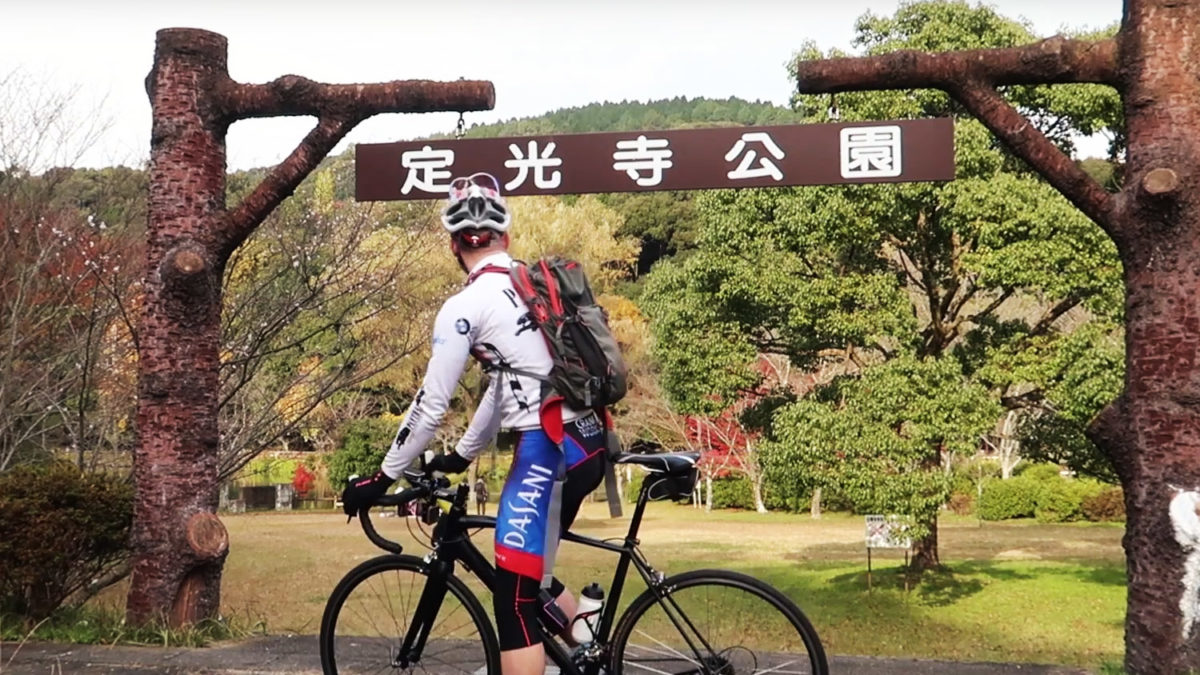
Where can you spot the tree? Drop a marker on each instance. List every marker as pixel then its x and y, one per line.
pixel 323 297
pixel 1149 431
pixel 974 272
pixel 67 285
pixel 870 437
pixel 179 544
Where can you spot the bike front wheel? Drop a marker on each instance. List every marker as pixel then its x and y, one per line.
pixel 392 615
pixel 715 622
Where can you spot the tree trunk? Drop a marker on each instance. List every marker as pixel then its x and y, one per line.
pixel 708 493
pixel 925 549
pixel 1010 446
pixel 175 462
pixel 179 545
pixel 472 473
pixel 815 508
pixel 1152 432
pixel 757 482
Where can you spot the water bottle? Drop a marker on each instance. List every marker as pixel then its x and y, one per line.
pixel 591 601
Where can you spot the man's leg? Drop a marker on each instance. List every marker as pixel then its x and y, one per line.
pixel 521 526
pixel 584 452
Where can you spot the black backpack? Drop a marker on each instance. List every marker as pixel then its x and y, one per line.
pixel 588 371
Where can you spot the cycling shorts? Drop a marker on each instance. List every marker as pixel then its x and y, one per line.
pixel 532 512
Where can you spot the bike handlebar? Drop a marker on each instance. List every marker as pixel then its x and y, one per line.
pixel 423 487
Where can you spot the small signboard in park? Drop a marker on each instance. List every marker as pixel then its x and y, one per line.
pixel 887 532
pixel 682 159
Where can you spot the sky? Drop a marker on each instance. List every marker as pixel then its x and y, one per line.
pixel 541 55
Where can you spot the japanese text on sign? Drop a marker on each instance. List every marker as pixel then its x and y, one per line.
pixel 808 154
pixel 888 532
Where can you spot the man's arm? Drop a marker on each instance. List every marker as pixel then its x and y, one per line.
pixel 452 332
pixel 484 424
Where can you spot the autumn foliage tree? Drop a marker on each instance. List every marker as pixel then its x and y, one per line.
pixel 1151 433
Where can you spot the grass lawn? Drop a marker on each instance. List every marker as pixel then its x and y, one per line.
pixel 1014 591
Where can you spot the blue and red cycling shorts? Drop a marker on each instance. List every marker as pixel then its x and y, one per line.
pixel 533 512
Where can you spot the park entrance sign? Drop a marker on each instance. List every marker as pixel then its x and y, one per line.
pixel 685 159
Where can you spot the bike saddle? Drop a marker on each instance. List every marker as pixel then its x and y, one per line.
pixel 661 462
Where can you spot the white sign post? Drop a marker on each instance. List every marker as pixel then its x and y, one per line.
pixel 887 532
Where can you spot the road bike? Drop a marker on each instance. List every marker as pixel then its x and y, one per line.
pixel 402 613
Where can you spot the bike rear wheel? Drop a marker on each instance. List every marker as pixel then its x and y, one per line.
pixel 374 608
pixel 715 622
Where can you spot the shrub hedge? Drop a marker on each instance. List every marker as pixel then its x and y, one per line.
pixel 1012 498
pixel 60 529
pixel 1107 505
pixel 1041 492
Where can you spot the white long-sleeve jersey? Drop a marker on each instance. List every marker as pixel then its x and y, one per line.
pixel 489 321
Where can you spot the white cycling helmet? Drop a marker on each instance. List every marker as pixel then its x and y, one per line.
pixel 475 202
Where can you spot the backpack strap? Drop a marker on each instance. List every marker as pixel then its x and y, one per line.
pixel 486 269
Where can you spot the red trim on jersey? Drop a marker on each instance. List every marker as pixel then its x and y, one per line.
pixel 525 564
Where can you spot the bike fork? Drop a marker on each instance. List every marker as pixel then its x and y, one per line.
pixel 428 606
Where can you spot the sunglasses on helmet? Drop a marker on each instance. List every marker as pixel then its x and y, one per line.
pixel 459 187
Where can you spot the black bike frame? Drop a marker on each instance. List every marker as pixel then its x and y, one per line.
pixel 452 543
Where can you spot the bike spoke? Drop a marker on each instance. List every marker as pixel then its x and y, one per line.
pixel 453 643
pixel 717 623
pixel 666 649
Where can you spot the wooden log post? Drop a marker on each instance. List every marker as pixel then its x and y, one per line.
pixel 179 544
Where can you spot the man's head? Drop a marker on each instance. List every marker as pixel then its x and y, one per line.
pixel 476 217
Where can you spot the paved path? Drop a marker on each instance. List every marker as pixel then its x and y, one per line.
pixel 299 656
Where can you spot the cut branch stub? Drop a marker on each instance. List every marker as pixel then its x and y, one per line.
pixel 1160 182
pixel 207 536
pixel 188 262
pixel 186 269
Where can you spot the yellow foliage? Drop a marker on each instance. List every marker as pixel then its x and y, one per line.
pixel 583 229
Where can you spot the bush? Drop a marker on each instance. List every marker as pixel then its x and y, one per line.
pixel 364 443
pixel 1040 472
pixel 1012 498
pixel 968 474
pixel 1107 505
pixel 1061 500
pixel 634 486
pixel 961 503
pixel 734 492
pixel 59 530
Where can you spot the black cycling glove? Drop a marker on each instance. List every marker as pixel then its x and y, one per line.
pixel 362 492
pixel 451 462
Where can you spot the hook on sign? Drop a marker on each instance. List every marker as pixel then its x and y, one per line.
pixel 833 113
pixel 460 129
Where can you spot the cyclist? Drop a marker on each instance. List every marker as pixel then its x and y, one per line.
pixel 559 452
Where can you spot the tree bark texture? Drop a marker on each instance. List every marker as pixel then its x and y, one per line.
pixel 179 544
pixel 925 550
pixel 1152 431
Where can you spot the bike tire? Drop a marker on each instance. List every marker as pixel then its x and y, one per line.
pixel 459 650
pixel 715 603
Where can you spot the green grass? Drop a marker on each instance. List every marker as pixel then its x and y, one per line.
pixel 105 624
pixel 1013 591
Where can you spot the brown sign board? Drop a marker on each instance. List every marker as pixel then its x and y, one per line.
pixel 682 159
